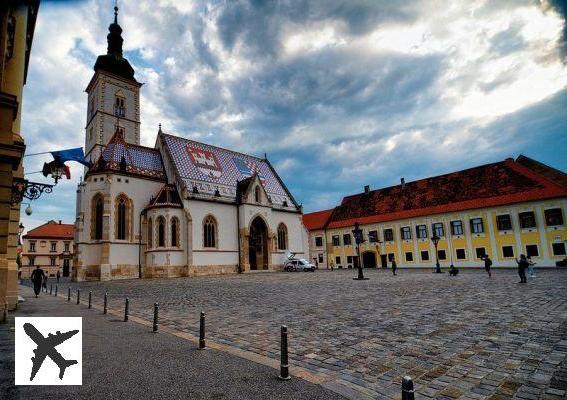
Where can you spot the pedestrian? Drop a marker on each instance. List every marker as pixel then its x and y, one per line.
pixel 394 266
pixel 332 266
pixel 531 265
pixel 453 271
pixel 522 265
pixel 58 276
pixel 37 278
pixel 44 284
pixel 315 262
pixel 487 265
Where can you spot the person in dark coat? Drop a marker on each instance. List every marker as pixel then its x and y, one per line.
pixel 522 266
pixel 487 265
pixel 37 277
pixel 58 276
pixel 453 271
pixel 394 266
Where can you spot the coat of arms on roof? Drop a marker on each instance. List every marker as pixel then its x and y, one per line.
pixel 205 161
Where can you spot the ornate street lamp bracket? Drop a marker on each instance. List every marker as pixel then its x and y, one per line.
pixel 30 190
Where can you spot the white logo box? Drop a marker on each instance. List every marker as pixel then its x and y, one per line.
pixel 65 352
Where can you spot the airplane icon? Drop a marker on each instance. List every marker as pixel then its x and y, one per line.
pixel 46 347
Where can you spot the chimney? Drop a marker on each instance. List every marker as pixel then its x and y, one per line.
pixel 366 189
pixel 403 182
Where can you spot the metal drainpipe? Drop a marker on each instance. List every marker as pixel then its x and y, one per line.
pixel 238 230
pixel 140 245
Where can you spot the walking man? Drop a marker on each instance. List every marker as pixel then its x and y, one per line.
pixel 394 266
pixel 522 265
pixel 37 278
pixel 58 276
pixel 487 265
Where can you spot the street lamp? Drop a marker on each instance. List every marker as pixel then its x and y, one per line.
pixel 358 239
pixel 435 240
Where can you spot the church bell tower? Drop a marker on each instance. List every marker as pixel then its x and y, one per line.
pixel 113 97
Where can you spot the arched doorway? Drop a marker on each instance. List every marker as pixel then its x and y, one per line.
pixel 258 244
pixel 369 259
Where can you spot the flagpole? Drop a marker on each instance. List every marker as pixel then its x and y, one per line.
pixel 37 154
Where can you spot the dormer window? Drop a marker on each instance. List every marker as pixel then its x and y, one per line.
pixel 119 105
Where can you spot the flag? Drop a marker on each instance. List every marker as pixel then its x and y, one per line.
pixel 71 155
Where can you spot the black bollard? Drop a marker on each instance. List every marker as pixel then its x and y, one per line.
pixel 69 294
pixel 90 299
pixel 284 366
pixel 155 328
pixel 126 309
pixel 56 290
pixel 78 296
pixel 50 289
pixel 105 303
pixel 202 344
pixel 407 388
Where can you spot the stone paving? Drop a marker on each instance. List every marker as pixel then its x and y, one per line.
pixel 468 337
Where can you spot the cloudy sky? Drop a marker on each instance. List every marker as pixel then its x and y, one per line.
pixel 339 94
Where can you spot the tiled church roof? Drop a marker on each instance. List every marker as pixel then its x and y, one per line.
pixel 131 159
pixel 52 230
pixel 489 185
pixel 204 169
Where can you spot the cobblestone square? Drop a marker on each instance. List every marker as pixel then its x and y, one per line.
pixel 468 337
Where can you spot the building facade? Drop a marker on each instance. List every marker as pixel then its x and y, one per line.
pixel 49 246
pixel 17 24
pixel 501 210
pixel 179 208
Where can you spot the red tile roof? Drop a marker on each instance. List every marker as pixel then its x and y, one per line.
pixel 489 185
pixel 52 230
pixel 550 173
pixel 316 220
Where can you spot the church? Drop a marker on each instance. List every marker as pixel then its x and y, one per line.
pixel 180 208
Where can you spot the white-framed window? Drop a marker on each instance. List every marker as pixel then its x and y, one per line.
pixel 421 231
pixel 476 225
pixel 405 231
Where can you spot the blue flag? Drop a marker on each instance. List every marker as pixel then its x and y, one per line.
pixel 71 155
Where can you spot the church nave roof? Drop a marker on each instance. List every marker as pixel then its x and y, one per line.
pixel 211 170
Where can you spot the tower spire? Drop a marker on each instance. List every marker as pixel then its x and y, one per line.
pixel 114 37
pixel 113 61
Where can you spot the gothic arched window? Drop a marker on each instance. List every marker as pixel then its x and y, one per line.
pixel 150 234
pixel 161 231
pixel 122 217
pixel 119 105
pixel 209 232
pixel 97 210
pixel 174 232
pixel 282 237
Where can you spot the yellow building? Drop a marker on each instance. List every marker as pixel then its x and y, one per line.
pixel 17 23
pixel 502 209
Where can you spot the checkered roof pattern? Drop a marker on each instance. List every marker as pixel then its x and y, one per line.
pixel 192 175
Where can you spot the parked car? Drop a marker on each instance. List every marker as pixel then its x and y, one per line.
pixel 299 265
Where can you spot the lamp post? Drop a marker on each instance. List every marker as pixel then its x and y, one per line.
pixel 357 233
pixel 435 240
